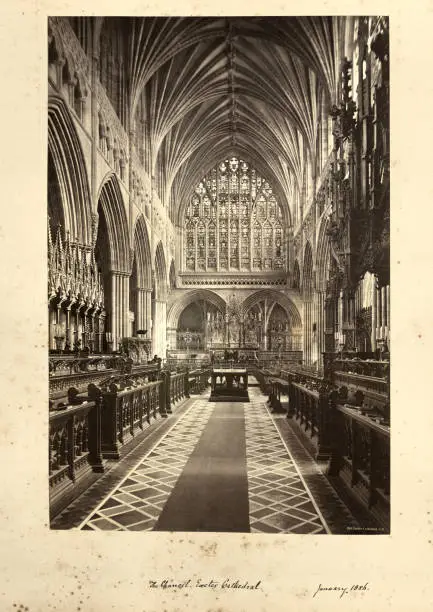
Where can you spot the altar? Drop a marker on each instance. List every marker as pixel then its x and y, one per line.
pixel 229 385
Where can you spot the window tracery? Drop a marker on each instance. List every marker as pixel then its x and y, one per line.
pixel 233 221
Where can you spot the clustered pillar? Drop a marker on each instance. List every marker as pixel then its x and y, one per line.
pixel 144 309
pixel 159 328
pixel 119 307
pixel 319 323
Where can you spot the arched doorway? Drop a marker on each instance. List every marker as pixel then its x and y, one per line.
pixel 271 321
pixel 279 336
pixel 191 328
pixel 200 327
pixel 197 318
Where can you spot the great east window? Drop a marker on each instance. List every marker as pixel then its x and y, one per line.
pixel 233 221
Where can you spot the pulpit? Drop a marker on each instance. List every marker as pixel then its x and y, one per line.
pixel 229 385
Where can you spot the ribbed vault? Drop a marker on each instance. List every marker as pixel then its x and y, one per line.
pixel 207 86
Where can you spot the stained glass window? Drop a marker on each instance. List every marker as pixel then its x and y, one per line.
pixel 233 221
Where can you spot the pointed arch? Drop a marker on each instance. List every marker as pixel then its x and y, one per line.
pixel 142 254
pixel 111 205
pixel 160 273
pixel 188 298
pixel 278 298
pixel 68 184
pixel 234 191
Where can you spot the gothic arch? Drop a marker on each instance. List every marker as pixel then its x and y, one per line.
pixel 193 296
pixel 250 232
pixel 278 298
pixel 142 254
pixel 160 273
pixel 68 184
pixel 111 205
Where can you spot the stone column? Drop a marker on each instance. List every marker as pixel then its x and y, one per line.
pixel 308 332
pixel 148 302
pixel 68 335
pixel 94 128
pixel 388 312
pixel 340 311
pixel 172 338
pixel 319 320
pixel 119 306
pixel 374 318
pixel 379 312
pixel 163 329
pixel 143 309
pixel 113 310
pixel 384 318
pixel 329 325
pixel 51 328
pixel 159 329
pixel 265 335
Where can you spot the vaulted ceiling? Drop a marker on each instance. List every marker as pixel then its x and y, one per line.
pixel 215 86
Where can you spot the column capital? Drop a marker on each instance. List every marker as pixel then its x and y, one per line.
pixel 120 273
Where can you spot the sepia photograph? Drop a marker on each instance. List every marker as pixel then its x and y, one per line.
pixel 218 227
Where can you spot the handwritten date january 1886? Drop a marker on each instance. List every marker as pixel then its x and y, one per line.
pixel 341 591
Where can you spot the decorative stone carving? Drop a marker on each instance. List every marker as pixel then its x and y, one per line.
pixel 111 120
pixel 95 224
pixel 228 281
pixel 77 58
pixel 308 225
pixel 73 273
pixel 131 258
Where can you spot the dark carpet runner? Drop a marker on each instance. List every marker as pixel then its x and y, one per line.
pixel 212 492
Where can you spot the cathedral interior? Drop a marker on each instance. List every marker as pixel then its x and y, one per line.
pixel 219 274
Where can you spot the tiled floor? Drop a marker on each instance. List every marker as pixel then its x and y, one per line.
pixel 136 503
pixel 287 492
pixel 280 501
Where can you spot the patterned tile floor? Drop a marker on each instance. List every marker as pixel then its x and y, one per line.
pixel 280 498
pixel 136 503
pixel 280 501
